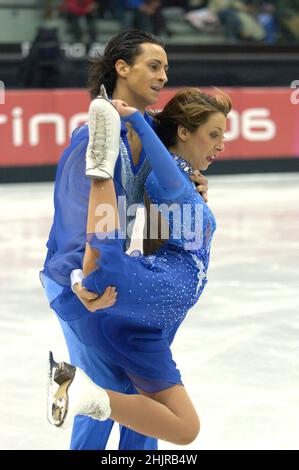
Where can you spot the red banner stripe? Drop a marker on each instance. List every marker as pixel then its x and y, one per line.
pixel 35 126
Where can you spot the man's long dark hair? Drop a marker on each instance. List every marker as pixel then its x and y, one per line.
pixel 125 46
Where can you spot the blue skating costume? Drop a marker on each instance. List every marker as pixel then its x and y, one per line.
pixel 154 292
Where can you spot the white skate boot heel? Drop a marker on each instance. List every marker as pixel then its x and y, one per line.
pixel 104 138
pixel 72 393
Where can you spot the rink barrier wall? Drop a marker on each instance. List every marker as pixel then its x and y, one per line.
pixel 35 127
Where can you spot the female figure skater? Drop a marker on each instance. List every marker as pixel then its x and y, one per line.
pixel 149 296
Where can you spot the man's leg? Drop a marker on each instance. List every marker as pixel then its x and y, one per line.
pixel 87 433
pixel 90 434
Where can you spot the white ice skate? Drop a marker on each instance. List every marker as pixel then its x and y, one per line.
pixel 104 137
pixel 71 393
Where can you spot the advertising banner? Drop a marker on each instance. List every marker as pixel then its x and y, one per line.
pixel 35 126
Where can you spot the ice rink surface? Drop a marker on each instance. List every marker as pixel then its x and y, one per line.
pixel 238 349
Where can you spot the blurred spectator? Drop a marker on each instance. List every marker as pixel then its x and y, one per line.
pixel 267 19
pixel 145 15
pixel 116 8
pixel 287 14
pixel 75 11
pixel 238 19
pixel 46 65
pixel 202 18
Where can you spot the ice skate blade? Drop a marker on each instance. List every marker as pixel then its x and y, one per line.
pixel 61 375
pixel 60 404
pixel 103 93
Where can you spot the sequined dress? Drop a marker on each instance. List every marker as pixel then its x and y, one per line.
pixel 155 292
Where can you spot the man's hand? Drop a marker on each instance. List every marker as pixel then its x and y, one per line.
pixel 201 184
pixel 93 301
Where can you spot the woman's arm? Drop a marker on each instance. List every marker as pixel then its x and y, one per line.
pixel 163 165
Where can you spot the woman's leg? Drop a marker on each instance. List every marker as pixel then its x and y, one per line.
pixel 101 155
pixel 102 217
pixel 168 415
